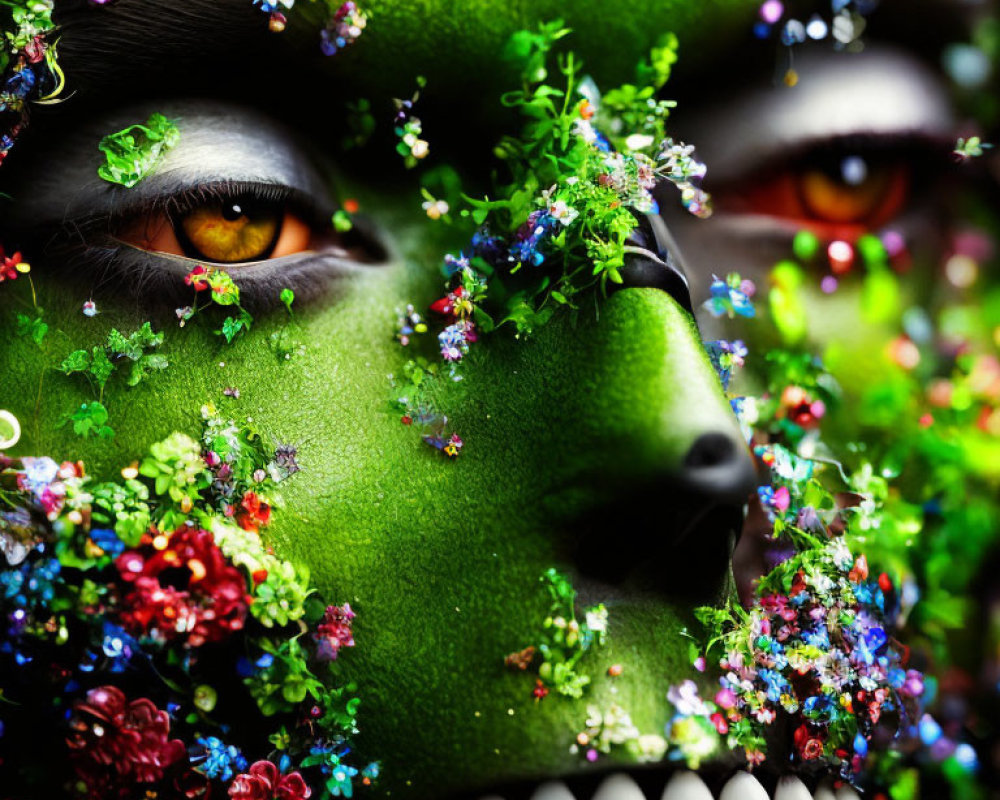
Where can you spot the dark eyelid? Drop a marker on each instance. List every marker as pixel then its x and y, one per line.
pixel 926 150
pixel 314 211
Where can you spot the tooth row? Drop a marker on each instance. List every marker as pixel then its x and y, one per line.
pixel 688 786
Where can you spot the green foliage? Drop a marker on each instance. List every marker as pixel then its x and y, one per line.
pixel 124 507
pixel 90 419
pixel 284 684
pixel 131 154
pixel 101 362
pixel 33 328
pixel 176 468
pixel 564 639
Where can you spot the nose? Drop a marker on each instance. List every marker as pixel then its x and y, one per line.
pixel 717 465
pixel 686 471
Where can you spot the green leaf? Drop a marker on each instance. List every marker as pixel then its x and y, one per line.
pixel 287 297
pixel 132 153
pixel 100 366
pixel 77 361
pixel 33 329
pixel 145 366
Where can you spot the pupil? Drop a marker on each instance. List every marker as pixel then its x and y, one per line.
pixel 853 170
pixel 232 212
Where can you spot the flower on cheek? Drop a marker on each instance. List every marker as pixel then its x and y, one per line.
pixel 264 781
pixel 205 599
pixel 12 266
pixel 116 742
pixel 198 278
pixel 256 513
pixel 334 632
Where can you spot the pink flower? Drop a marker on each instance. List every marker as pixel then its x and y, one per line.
pixel 334 632
pixel 264 781
pixel 117 742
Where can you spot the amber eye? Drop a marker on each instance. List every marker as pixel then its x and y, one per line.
pixel 229 231
pixel 833 193
pixel 853 190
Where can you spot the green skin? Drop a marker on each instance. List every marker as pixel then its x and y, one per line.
pixel 440 559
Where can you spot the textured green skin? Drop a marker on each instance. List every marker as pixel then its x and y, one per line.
pixel 440 559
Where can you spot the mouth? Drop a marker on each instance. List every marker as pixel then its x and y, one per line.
pixel 664 782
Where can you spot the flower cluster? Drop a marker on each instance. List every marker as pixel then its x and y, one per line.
pixel 563 642
pixel 408 129
pixel 163 579
pixel 205 601
pixel 30 72
pixel 581 173
pixel 343 29
pixel 334 631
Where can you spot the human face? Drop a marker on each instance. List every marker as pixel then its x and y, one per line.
pixel 605 449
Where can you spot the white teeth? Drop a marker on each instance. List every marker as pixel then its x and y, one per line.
pixel 553 790
pixel 846 793
pixel 686 786
pixel 619 787
pixel 824 792
pixel 743 786
pixel 791 788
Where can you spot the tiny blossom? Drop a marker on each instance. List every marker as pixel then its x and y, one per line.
pixel 334 632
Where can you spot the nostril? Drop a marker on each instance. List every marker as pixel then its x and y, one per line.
pixel 719 466
pixel 710 450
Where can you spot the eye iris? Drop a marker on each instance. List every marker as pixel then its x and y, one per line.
pixel 848 191
pixel 230 232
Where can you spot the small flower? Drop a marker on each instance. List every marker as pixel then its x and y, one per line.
pixel 436 209
pixel 12 266
pixel 198 278
pixel 334 631
pixel 90 308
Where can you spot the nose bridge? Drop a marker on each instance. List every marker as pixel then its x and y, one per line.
pixel 674 420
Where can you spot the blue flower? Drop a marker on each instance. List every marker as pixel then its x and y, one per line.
pixel 108 541
pixel 118 646
pixel 217 759
pixel 776 684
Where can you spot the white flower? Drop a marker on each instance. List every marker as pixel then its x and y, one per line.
pixel 638 141
pixel 563 212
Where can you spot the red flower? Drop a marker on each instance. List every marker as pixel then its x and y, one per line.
pixel 264 781
pixel 334 632
pixel 203 598
pixel 808 745
pixel 256 513
pixel 117 743
pixel 198 278
pixel 448 305
pixel 9 266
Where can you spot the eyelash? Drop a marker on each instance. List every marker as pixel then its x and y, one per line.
pixel 88 247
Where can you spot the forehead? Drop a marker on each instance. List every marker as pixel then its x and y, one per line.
pixel 150 48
